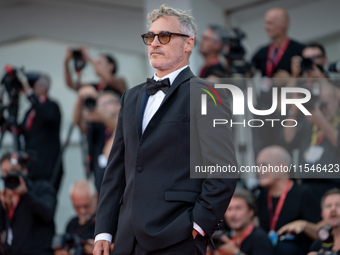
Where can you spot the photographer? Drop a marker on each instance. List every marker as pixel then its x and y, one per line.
pixel 96 116
pixel 105 67
pixel 210 46
pixel 84 200
pixel 248 239
pixel 317 138
pixel 41 128
pixel 312 64
pixel 287 211
pixel 330 213
pixel 26 211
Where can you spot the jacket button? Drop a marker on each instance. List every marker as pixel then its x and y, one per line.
pixel 140 169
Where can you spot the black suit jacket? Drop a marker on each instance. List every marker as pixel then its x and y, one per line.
pixel 147 193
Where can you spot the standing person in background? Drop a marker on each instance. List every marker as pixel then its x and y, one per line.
pixel 273 61
pixel 211 44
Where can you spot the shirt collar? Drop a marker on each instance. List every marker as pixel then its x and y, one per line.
pixel 172 76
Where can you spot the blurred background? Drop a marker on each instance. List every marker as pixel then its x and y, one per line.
pixel 35 34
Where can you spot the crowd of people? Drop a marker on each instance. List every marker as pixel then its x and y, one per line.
pixel 283 215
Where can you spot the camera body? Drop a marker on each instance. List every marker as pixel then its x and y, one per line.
pixel 90 103
pixel 216 238
pixel 68 241
pixel 79 61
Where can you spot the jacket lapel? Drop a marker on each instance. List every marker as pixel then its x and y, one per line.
pixel 183 76
pixel 140 108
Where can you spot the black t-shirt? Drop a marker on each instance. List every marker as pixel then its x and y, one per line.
pixel 317 246
pixel 217 70
pixel 259 60
pixel 300 204
pixel 257 243
pixel 85 231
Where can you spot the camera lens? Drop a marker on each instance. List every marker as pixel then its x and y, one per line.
pixel 12 180
pixel 90 103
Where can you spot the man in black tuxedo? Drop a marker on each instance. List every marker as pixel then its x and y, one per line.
pixel 148 203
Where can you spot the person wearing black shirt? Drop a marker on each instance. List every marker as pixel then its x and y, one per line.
pixel 84 200
pixel 26 213
pixel 330 204
pixel 281 201
pixel 239 217
pixel 273 61
pixel 211 44
pixel 41 131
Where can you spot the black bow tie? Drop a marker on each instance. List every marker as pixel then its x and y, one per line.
pixel 153 86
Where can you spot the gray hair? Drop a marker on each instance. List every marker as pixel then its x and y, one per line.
pixel 186 21
pixel 84 184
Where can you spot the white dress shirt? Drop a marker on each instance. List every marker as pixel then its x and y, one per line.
pixel 151 108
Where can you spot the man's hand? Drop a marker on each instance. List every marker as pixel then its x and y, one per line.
pixel 295 66
pixel 5 198
pixel 86 92
pixel 68 55
pixel 88 247
pixel 22 188
pixel 295 227
pixel 101 247
pixel 194 233
pixel 61 252
pixel 228 248
pixel 23 80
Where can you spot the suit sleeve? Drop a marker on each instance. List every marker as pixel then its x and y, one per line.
pixel 216 148
pixel 113 184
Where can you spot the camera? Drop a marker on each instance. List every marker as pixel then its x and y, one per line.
pixel 79 62
pixel 90 103
pixel 216 238
pixel 236 52
pixel 306 64
pixel 326 236
pixel 11 81
pixel 68 241
pixel 12 180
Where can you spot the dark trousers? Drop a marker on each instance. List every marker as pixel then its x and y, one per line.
pixel 185 247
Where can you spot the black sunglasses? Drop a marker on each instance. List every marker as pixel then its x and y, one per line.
pixel 163 37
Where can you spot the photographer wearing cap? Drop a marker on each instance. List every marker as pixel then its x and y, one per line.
pixel 330 212
pixel 26 211
pixel 96 115
pixel 247 239
pixel 84 199
pixel 105 67
pixel 41 128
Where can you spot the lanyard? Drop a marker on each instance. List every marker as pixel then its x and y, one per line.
pixel 318 135
pixel 274 218
pixel 273 61
pixel 244 236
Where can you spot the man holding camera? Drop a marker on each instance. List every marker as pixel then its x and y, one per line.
pixel 318 140
pixel 211 44
pixel 330 212
pixel 41 128
pixel 246 237
pixel 84 200
pixel 26 212
pixel 96 113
